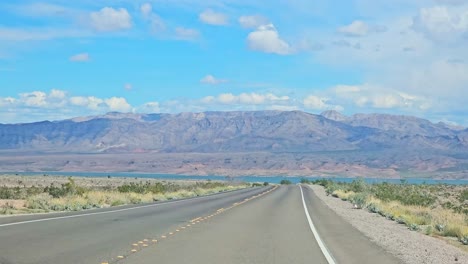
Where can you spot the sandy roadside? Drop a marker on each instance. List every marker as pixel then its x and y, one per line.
pixel 409 246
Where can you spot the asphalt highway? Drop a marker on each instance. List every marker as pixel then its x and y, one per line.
pixel 287 224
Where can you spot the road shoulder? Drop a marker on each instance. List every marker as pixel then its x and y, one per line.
pixel 408 246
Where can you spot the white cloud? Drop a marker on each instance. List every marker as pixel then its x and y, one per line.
pixel 157 24
pixel 110 19
pixel 151 107
pixel 34 99
pixel 119 104
pixel 82 57
pixel 211 17
pixel 359 28
pixel 210 79
pixel 442 23
pixel 319 103
pixel 266 39
pixel 253 21
pixel 146 9
pixel 89 102
pixel 246 99
pixel 57 94
pixel 186 33
pixel 369 96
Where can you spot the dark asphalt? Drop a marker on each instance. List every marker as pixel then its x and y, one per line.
pixel 101 237
pixel 271 229
pixel 237 227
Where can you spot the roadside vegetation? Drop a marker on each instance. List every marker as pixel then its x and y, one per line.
pixel 436 210
pixel 71 197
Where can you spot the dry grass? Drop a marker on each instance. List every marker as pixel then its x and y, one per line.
pixel 437 221
pixel 92 198
pixel 100 199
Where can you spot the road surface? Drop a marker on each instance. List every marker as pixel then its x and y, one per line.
pixel 287 224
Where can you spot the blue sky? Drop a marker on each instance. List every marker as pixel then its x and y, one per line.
pixel 60 59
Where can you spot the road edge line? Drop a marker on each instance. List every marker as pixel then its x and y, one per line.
pixel 320 242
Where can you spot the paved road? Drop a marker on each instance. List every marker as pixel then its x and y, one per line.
pixel 238 227
pixel 103 235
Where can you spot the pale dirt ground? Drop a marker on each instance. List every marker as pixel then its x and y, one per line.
pixel 97 182
pixel 409 246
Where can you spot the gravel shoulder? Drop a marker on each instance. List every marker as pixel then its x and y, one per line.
pixel 410 247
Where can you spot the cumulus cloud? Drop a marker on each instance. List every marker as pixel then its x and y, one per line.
pixel 186 33
pixel 81 57
pixel 246 99
pixel 253 21
pixel 267 39
pixel 210 79
pixel 314 102
pixel 150 107
pixel 89 102
pixel 211 17
pixel 359 28
pixel 110 19
pixel 118 104
pixel 368 96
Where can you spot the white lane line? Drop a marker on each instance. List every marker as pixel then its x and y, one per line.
pixel 322 246
pixel 101 213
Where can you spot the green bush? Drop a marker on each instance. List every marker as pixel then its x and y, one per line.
pixel 463 196
pixel 359 199
pixel 406 194
pixel 285 182
pixel 464 240
pixel 414 227
pixel 305 181
pixel 358 185
pixel 266 184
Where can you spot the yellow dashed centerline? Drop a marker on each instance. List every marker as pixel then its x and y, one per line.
pixel 144 242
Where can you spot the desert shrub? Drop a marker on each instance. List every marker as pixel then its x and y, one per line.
pixel 358 185
pixel 40 201
pixel 414 227
pixel 69 188
pixel 463 196
pixel 373 208
pixel 6 193
pixel 406 194
pixel 285 182
pixel 464 240
pixel 132 188
pixel 428 230
pixel 305 181
pixel 359 199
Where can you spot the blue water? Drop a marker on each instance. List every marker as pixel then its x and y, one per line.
pixel 270 179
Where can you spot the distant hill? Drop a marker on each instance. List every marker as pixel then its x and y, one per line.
pixel 402 143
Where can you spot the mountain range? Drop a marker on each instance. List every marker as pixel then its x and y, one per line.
pixel 240 143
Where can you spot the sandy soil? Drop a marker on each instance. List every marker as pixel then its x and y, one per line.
pixel 409 246
pixel 98 182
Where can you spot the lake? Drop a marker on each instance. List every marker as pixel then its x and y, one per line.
pixel 270 179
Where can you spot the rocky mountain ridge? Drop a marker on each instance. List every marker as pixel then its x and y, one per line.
pixel 381 141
